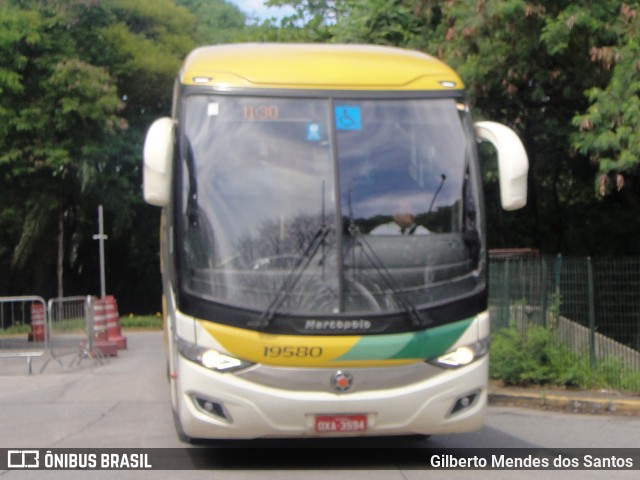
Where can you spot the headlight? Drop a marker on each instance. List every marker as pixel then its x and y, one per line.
pixel 464 355
pixel 210 358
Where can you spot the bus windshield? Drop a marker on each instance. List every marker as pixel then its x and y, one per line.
pixel 312 206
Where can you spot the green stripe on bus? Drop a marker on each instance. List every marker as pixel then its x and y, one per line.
pixel 425 344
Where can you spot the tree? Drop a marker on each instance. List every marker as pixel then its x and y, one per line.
pixel 313 21
pixel 609 131
pixel 217 21
pixel 529 64
pixel 385 22
pixel 19 30
pixel 57 107
pixel 81 81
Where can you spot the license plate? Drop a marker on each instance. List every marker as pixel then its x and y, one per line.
pixel 341 423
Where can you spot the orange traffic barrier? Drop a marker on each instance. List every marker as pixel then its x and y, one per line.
pixel 101 336
pixel 38 332
pixel 113 322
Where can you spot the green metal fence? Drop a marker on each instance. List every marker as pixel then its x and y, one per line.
pixel 589 306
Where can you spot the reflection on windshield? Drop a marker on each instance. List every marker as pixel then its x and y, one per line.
pixel 402 170
pixel 265 173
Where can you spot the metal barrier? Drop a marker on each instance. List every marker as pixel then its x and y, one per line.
pixel 15 314
pixel 591 306
pixel 55 330
pixel 71 330
pixel 600 294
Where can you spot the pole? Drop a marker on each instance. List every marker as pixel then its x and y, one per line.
pixel 592 314
pixel 101 237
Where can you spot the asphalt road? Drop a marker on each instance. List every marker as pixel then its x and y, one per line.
pixel 125 403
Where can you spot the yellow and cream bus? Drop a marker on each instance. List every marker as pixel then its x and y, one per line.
pixel 323 242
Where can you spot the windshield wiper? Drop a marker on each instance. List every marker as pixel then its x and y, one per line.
pixel 296 272
pixel 443 178
pixel 292 279
pixel 413 316
pixel 192 210
pixel 409 308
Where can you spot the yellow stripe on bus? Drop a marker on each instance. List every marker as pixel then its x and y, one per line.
pixel 292 350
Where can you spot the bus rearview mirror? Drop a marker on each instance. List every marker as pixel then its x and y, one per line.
pixel 157 168
pixel 513 164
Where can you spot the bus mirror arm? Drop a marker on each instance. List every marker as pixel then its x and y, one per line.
pixel 513 164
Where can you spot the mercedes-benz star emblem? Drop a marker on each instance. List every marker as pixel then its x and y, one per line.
pixel 342 381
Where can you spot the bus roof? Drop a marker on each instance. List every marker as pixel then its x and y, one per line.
pixel 316 66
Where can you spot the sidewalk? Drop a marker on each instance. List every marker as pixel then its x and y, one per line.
pixel 565 400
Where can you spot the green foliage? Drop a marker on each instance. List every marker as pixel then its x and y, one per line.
pixel 614 374
pixel 313 22
pixel 530 358
pixel 150 322
pixel 609 131
pixel 16 28
pixel 381 22
pixel 563 74
pixel 81 80
pixel 138 322
pixel 314 12
pixel 15 330
pixel 217 21
pixel 534 357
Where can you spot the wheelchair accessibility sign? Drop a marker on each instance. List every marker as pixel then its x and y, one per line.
pixel 348 118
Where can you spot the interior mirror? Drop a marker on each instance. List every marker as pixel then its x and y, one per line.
pixel 513 164
pixel 157 168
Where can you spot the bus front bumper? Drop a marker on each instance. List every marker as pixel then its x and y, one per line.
pixel 226 406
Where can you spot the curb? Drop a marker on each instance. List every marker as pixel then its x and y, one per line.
pixel 566 403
